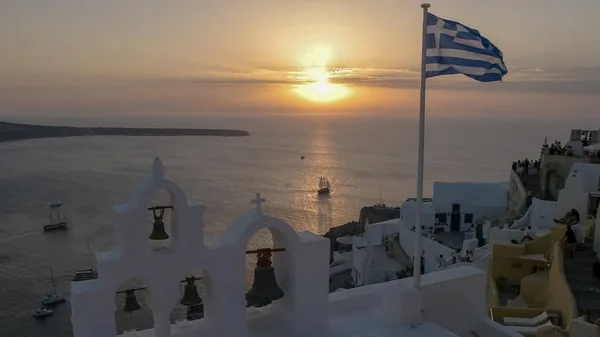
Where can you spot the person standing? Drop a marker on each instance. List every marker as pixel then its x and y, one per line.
pixel 579 232
pixel 571 240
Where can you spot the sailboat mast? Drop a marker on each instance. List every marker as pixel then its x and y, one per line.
pixel 91 255
pixel 53 284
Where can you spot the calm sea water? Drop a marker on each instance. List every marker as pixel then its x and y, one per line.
pixel 366 160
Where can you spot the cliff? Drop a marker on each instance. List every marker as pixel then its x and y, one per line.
pixel 15 131
pixel 377 213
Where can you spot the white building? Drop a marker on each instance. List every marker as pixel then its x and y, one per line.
pixel 377 255
pixel 582 188
pixel 408 213
pixel 388 247
pixel 459 205
pixel 539 215
pixel 576 137
pixel 581 192
pixel 393 308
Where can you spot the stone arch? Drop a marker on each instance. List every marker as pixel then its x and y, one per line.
pixel 161 285
pixel 241 231
pixel 206 284
pixel 149 187
pixel 234 245
pixel 110 287
pixel 186 218
pixel 117 301
pixel 142 197
pixel 284 236
pixel 118 276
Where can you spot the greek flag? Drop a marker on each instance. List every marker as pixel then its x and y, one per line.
pixel 453 48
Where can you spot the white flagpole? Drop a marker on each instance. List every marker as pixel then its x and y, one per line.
pixel 419 218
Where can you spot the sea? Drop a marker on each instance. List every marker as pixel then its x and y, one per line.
pixel 367 159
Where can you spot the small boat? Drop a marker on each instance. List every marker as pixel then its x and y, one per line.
pixel 324 186
pixel 302 157
pixel 84 275
pixel 42 312
pixel 56 220
pixel 52 298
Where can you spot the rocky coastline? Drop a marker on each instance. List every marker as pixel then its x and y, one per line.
pixel 16 131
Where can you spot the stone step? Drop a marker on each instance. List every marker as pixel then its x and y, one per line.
pixel 579 273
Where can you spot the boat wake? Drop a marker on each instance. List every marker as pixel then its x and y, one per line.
pixel 19 236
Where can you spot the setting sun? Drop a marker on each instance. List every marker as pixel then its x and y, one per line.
pixel 316 76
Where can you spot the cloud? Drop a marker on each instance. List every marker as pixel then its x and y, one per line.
pixel 557 80
pixel 579 80
pixel 236 81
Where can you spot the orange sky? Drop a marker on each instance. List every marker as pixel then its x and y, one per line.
pixel 246 57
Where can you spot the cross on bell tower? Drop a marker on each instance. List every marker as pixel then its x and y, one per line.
pixel 257 201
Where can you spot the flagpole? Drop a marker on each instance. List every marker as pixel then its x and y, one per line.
pixel 419 217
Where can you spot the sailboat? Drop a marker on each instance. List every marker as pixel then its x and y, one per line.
pixel 52 298
pixel 86 274
pixel 324 186
pixel 42 312
pixel 56 220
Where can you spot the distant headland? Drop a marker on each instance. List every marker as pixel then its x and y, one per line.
pixel 16 131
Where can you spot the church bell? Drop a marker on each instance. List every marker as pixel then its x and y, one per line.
pixel 190 293
pixel 264 288
pixel 131 303
pixel 158 229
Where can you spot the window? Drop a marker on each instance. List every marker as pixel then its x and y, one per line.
pixel 468 217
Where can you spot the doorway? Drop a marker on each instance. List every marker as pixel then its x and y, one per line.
pixel 455 218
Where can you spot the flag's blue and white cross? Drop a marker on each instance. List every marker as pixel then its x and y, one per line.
pixel 453 48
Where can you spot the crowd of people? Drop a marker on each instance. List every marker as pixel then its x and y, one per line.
pixel 526 167
pixel 456 257
pixel 556 148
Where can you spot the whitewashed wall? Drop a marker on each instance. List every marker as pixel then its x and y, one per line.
pixel 504 236
pixel 583 179
pixel 441 293
pixel 409 213
pixel 408 240
pixel 302 270
pixel 375 232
